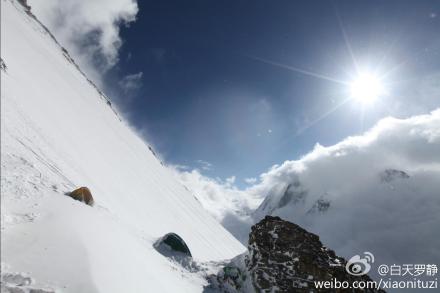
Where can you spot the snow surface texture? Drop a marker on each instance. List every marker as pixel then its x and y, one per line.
pixel 59 133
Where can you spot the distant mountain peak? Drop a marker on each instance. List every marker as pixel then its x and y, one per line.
pixel 389 175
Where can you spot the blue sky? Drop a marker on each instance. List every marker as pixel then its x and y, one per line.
pixel 202 82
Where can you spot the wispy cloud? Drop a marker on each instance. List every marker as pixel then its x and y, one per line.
pixel 88 29
pixel 230 181
pixel 204 165
pixel 131 83
pixel 225 202
pixel 251 180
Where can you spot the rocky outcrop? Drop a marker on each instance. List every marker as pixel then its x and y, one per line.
pixel 320 206
pixel 392 174
pixel 286 258
pixel 3 66
pixel 283 257
pixel 25 4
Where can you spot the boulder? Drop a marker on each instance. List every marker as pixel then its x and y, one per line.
pixel 282 257
pixel 285 257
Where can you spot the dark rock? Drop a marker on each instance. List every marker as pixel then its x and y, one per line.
pixel 283 257
pixel 231 278
pixel 293 194
pixel 152 151
pixel 25 4
pixel 3 65
pixel 392 174
pixel 320 206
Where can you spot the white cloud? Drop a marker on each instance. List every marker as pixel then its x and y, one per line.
pixel 229 205
pixel 204 165
pixel 88 29
pixel 131 82
pixel 181 167
pixel 251 180
pixel 396 219
pixel 230 181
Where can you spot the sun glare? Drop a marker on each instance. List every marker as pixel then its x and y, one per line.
pixel 366 89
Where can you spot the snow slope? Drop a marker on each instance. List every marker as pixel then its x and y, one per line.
pixel 59 133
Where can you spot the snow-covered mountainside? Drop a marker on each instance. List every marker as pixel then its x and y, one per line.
pixel 58 132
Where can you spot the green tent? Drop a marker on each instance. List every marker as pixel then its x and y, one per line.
pixel 174 243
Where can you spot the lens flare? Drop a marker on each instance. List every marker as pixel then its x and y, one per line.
pixel 366 88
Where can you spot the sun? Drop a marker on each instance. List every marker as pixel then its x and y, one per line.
pixel 366 88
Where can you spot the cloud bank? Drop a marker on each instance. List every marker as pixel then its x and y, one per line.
pixel 225 202
pixel 88 29
pixel 377 192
